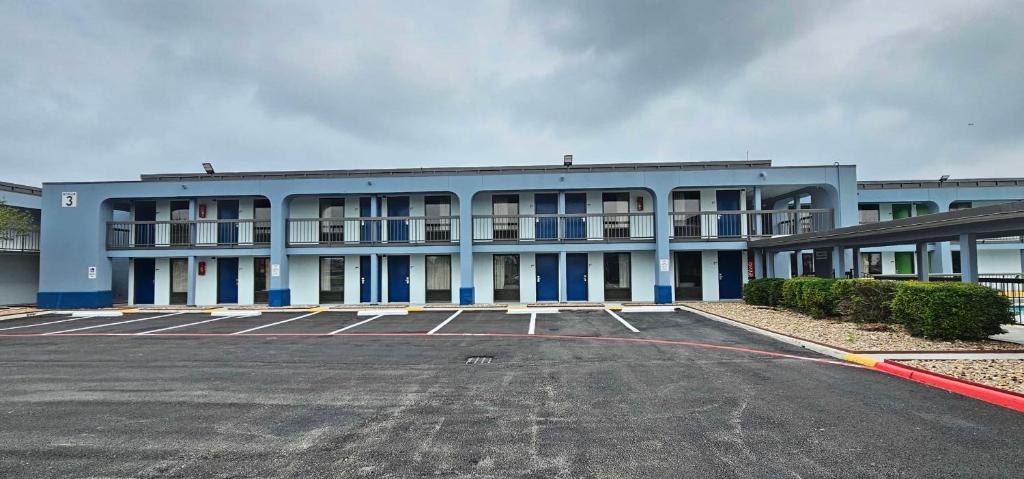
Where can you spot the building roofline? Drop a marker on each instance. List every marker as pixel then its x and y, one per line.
pixel 951 183
pixel 23 189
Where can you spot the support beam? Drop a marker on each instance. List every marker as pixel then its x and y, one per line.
pixel 374 259
pixel 466 292
pixel 562 281
pixel 279 293
pixel 858 263
pixel 771 255
pixel 922 261
pixel 758 263
pixel 662 232
pixel 969 258
pixel 191 294
pixel 838 262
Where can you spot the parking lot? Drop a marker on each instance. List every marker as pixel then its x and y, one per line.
pixel 587 394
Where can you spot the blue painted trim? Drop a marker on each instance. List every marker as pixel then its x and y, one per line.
pixel 279 297
pixel 559 247
pixel 662 294
pixel 75 299
pixel 466 295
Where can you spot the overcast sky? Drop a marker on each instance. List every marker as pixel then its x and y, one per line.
pixel 110 90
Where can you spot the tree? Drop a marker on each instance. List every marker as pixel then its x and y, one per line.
pixel 13 222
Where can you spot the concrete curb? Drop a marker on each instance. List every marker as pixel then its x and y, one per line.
pixel 981 392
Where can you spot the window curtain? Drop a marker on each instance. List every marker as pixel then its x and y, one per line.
pixel 439 273
pixel 623 278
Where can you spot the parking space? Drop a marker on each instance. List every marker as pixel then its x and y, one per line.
pixel 411 323
pixel 487 322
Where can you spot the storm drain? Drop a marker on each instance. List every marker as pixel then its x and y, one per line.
pixel 479 360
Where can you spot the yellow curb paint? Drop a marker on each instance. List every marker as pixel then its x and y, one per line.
pixel 861 359
pixel 318 309
pixel 414 309
pixel 613 307
pixel 129 310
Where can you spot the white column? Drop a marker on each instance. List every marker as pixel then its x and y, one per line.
pixel 969 258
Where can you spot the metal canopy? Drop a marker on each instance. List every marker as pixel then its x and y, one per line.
pixel 984 222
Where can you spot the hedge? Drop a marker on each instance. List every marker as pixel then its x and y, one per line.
pixel 811 296
pixel 950 310
pixel 864 300
pixel 764 291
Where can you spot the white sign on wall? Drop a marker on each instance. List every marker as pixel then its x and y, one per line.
pixel 275 270
pixel 92 272
pixel 663 264
pixel 69 199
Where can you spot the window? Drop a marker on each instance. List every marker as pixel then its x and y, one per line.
pixel 179 280
pixel 505 209
pixel 956 261
pixel 871 263
pixel 261 220
pixel 439 278
pixel 332 279
pixel 616 214
pixel 689 273
pixel 960 205
pixel 260 279
pixel 686 225
pixel 506 277
pixel 179 223
pixel 807 262
pixel 332 222
pixel 438 226
pixel 617 285
pixel 868 214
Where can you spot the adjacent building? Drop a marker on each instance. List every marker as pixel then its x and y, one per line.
pixel 19 249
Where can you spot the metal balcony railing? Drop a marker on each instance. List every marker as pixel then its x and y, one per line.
pixel 188 234
pixel 19 240
pixel 617 227
pixel 741 225
pixel 392 230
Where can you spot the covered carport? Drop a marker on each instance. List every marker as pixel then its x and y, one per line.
pixel 965 226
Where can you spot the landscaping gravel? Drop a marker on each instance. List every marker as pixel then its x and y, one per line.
pixel 1001 373
pixel 843 335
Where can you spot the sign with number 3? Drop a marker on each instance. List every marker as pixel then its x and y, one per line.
pixel 69 199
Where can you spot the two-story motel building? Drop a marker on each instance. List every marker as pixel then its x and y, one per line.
pixel 19 249
pixel 647 232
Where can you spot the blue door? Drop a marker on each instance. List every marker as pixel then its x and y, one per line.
pixel 145 277
pixel 227 280
pixel 398 230
pixel 364 279
pixel 398 279
pixel 547 226
pixel 547 277
pixel 365 227
pixel 730 269
pixel 728 200
pixel 576 277
pixel 575 226
pixel 227 232
pixel 145 234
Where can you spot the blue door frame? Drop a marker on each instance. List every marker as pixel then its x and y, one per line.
pixel 144 281
pixel 576 265
pixel 227 280
pixel 547 277
pixel 575 226
pixel 546 227
pixel 728 200
pixel 730 271
pixel 227 233
pixel 398 279
pixel 398 230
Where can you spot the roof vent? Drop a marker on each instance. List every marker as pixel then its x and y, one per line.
pixel 567 160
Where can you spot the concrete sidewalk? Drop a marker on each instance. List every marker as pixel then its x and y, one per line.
pixel 1014 334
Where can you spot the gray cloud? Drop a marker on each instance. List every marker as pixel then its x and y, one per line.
pixel 108 90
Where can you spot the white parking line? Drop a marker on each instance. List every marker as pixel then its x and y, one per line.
pixel 648 309
pixel 357 324
pixel 114 324
pixel 40 324
pixel 383 312
pixel 439 326
pixel 257 328
pixel 533 323
pixel 92 314
pixel 623 321
pixel 218 318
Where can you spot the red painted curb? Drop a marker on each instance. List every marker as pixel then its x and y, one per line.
pixel 984 393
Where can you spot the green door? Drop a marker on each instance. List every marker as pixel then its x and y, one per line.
pixel 904 262
pixel 900 211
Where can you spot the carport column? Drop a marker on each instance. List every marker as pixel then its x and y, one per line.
pixel 942 258
pixel 663 280
pixel 838 262
pixel 922 261
pixel 857 263
pixel 375 258
pixel 758 263
pixel 969 258
pixel 279 294
pixel 757 216
pixel 191 288
pixel 466 292
pixel 562 280
pixel 771 263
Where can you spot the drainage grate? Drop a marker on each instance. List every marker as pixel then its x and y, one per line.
pixel 479 360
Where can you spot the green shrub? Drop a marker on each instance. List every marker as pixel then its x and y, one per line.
pixel 764 291
pixel 864 300
pixel 792 292
pixel 818 300
pixel 950 310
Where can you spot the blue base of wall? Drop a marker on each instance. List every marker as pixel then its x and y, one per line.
pixel 662 294
pixel 76 299
pixel 279 297
pixel 466 295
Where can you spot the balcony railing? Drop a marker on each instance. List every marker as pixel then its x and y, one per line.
pixel 392 230
pixel 616 227
pixel 741 225
pixel 188 234
pixel 19 240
